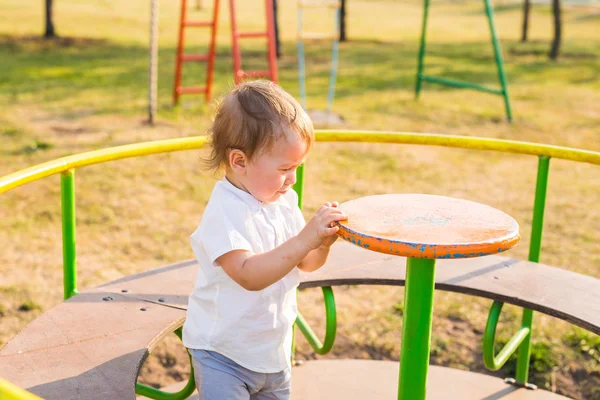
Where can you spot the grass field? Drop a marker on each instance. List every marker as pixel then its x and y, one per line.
pixel 87 90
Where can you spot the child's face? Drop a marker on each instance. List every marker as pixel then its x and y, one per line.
pixel 272 173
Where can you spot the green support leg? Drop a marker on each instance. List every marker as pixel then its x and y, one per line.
pixel 535 249
pixel 67 185
pixel 421 64
pixel 498 55
pixel 524 352
pixel 416 328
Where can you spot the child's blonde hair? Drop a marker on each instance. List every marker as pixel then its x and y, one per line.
pixel 251 117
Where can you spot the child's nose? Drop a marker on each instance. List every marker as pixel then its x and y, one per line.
pixel 291 177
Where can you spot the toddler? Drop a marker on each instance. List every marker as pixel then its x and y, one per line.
pixel 250 244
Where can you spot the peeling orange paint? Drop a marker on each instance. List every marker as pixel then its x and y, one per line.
pixel 427 226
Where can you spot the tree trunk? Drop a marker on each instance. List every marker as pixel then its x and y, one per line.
pixel 557 30
pixel 343 22
pixel 49 33
pixel 526 5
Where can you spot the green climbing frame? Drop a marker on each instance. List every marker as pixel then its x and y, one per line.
pixel 422 77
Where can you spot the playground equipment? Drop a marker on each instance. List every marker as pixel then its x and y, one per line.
pixel 424 228
pixel 238 72
pixel 334 36
pixel 272 40
pixel 209 57
pixel 422 77
pixel 58 356
pixel 269 34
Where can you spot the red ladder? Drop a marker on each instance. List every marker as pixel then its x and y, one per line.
pixel 181 57
pixel 239 73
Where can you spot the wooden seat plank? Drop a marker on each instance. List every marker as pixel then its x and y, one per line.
pixel 87 316
pixel 167 285
pixel 557 292
pixel 87 348
pixel 550 290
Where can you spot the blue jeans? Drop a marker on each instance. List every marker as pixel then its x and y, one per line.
pixel 218 378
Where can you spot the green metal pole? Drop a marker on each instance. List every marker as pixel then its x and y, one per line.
pixel 421 64
pixel 331 325
pixel 539 205
pixel 299 185
pixel 498 54
pixel 535 248
pixel 67 191
pixel 299 188
pixel 524 351
pixel 416 328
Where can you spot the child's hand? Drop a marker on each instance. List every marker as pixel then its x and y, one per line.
pixel 320 229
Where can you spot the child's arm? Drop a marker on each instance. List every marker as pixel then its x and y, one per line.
pixel 316 258
pixel 258 271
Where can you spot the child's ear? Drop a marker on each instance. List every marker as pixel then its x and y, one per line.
pixel 237 161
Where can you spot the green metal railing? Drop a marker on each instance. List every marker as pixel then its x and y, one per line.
pixel 330 327
pixel 520 342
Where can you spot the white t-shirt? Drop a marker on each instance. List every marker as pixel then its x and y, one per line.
pixel 253 328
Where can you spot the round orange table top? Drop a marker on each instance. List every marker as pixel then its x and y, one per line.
pixel 427 226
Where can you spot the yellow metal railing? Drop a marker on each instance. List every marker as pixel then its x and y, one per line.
pixel 163 146
pixel 8 391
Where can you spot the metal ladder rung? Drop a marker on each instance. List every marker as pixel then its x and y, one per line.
pixel 320 4
pixel 191 89
pixel 251 34
pixel 317 36
pixel 198 24
pixel 195 57
pixel 182 58
pixel 268 34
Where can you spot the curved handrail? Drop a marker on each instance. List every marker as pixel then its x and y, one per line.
pixel 463 142
pixel 63 164
pixel 49 168
pixel 495 362
pixel 330 329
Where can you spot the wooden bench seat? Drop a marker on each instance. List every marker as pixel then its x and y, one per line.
pixel 93 345
pixel 86 347
pixel 563 294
